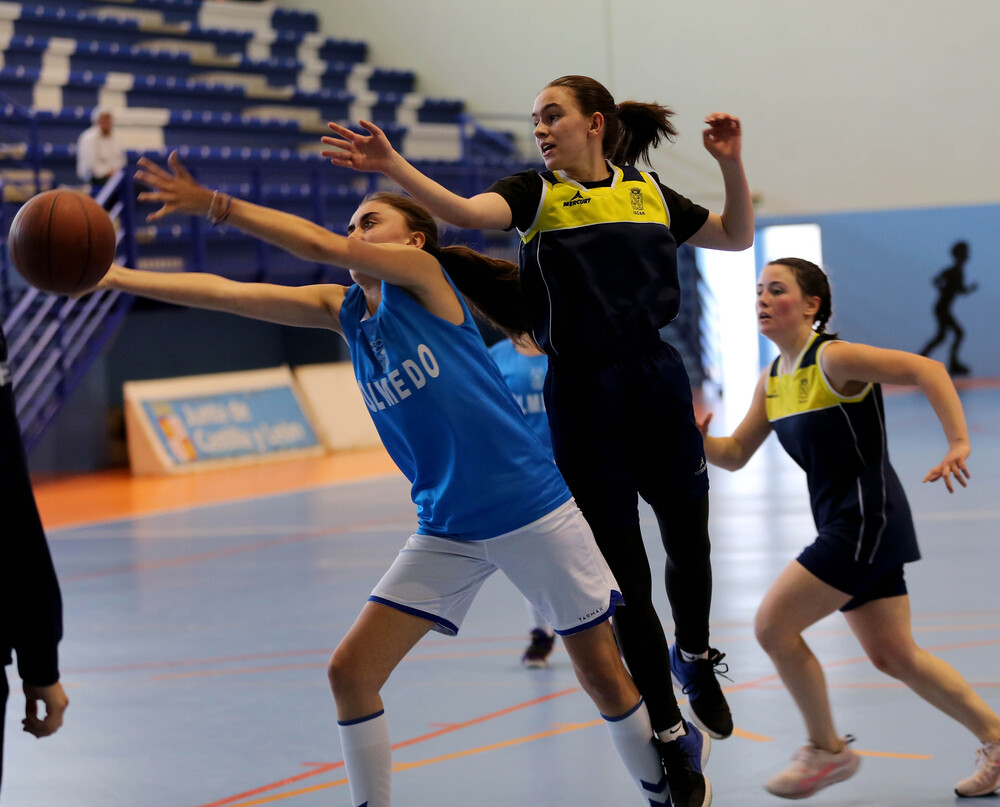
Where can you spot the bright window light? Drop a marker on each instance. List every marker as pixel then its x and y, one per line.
pixel 731 277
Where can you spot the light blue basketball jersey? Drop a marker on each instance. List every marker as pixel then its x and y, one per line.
pixel 525 377
pixel 448 420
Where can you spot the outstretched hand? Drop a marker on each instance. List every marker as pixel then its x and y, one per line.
pixel 371 152
pixel 702 423
pixel 953 464
pixel 175 189
pixel 723 138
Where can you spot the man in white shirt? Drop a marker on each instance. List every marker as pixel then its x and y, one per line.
pixel 99 152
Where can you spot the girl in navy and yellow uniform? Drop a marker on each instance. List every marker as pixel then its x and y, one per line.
pixel 599 270
pixel 488 497
pixel 821 396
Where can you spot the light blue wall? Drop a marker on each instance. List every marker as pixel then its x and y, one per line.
pixel 882 266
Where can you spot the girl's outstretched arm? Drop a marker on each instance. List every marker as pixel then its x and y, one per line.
pixel 178 192
pixel 733 452
pixel 734 228
pixel 373 152
pixel 843 362
pixel 304 306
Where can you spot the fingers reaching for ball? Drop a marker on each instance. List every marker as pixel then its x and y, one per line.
pixel 175 189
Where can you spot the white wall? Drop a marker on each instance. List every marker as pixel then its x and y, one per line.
pixel 860 104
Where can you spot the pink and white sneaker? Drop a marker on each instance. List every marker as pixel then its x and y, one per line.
pixel 985 778
pixel 812 769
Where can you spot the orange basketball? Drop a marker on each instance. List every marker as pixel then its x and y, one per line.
pixel 62 242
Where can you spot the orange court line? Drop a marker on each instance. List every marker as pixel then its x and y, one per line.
pixel 81 499
pixel 325 767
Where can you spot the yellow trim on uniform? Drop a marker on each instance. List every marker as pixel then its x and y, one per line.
pixel 567 204
pixel 805 389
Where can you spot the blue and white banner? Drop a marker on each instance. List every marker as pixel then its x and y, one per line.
pixel 185 423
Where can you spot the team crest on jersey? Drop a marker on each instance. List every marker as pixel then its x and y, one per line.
pixel 803 390
pixel 378 350
pixel 636 196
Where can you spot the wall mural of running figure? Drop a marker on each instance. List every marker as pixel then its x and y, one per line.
pixel 950 282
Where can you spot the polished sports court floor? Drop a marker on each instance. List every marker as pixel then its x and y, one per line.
pixel 200 612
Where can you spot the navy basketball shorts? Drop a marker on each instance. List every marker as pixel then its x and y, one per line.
pixel 831 559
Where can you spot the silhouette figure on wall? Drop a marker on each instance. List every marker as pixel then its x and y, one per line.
pixel 951 282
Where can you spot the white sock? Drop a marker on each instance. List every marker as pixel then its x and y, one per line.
pixel 368 759
pixel 689 657
pixel 673 732
pixel 632 735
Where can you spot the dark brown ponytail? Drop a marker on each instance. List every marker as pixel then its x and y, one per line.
pixel 490 286
pixel 631 128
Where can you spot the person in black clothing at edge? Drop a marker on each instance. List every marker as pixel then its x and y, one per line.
pixel 950 282
pixel 30 604
pixel 599 269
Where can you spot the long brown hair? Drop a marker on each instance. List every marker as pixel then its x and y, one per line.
pixel 631 128
pixel 490 286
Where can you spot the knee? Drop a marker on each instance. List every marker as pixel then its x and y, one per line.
pixel 894 659
pixel 345 676
pixel 773 637
pixel 604 683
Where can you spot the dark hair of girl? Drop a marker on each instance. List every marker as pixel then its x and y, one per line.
pixel 631 128
pixel 813 282
pixel 491 286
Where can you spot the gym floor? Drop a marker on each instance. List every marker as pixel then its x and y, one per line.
pixel 200 613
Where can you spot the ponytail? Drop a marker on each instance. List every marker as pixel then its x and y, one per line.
pixel 491 286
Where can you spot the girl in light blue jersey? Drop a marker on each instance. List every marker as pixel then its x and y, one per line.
pixel 487 496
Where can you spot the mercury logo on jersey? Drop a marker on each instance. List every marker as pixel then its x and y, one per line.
pixel 400 383
pixel 579 199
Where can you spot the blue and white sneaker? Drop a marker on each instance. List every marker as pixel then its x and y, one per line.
pixel 684 761
pixel 697 680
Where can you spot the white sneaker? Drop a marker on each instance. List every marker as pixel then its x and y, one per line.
pixel 985 778
pixel 813 769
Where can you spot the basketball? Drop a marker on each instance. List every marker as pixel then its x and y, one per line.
pixel 62 242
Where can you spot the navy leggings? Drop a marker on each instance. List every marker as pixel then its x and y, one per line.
pixel 624 431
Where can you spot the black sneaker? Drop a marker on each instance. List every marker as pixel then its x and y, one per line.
pixel 697 680
pixel 683 760
pixel 537 653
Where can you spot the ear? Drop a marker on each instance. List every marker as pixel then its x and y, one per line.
pixel 596 125
pixel 812 305
pixel 417 239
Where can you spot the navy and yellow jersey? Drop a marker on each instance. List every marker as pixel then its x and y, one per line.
pixel 840 442
pixel 599 260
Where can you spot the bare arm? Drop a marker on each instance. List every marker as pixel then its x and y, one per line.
pixel 373 152
pixel 305 306
pixel 733 452
pixel 398 264
pixel 734 228
pixel 843 362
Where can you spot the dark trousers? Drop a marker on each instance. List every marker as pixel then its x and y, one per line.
pixel 620 432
